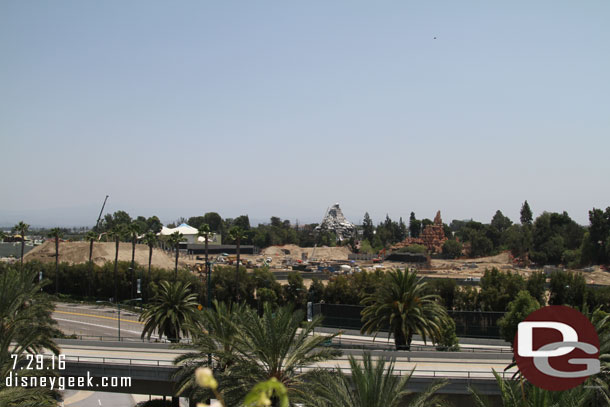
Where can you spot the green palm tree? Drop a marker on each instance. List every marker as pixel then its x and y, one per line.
pixel 401 305
pixel 174 241
pixel 277 344
pixel 173 312
pixel 22 228
pixel 150 240
pixel 205 232
pixel 133 230
pixel 26 326
pixel 371 384
pixel 91 237
pixel 56 233
pixel 236 233
pixel 116 233
pixel 214 345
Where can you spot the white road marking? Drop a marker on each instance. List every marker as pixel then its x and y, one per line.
pixel 114 328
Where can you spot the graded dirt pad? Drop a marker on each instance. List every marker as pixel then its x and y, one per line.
pixel 295 252
pixel 78 252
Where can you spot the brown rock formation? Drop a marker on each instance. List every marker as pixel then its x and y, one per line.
pixel 433 237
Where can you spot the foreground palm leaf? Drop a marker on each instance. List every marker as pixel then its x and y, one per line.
pixel 401 306
pixel 277 344
pixel 370 385
pixel 517 392
pixel 173 312
pixel 249 349
pixel 26 326
pixel 214 346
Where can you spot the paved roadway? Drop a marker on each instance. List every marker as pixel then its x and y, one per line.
pixel 101 322
pixel 95 321
pixel 75 398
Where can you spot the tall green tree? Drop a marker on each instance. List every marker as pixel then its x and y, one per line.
pixel 173 312
pixel 214 220
pixel 150 240
pixel 116 233
pixel 598 237
pixel 371 384
pixel 174 241
pixel 414 225
pixel 22 228
pixel 133 230
pixel 526 214
pixel 56 234
pixel 498 227
pixel 368 230
pixel 402 305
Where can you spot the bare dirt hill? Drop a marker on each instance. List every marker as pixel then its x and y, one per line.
pixel 320 253
pixel 78 252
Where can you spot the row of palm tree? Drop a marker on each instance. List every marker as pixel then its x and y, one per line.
pixel 117 233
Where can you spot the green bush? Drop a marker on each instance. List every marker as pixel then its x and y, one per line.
pixel 448 340
pixel 518 309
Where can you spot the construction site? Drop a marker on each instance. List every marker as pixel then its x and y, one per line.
pixel 319 262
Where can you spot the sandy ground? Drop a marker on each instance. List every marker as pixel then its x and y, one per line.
pixel 78 252
pixel 295 252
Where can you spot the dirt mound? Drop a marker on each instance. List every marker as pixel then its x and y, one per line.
pixel 319 253
pixel 78 252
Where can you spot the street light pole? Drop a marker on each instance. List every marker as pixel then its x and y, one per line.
pixel 118 306
pixel 209 270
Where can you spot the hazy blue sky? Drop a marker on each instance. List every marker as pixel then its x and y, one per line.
pixel 283 108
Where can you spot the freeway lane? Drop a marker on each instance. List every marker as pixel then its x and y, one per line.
pixel 101 322
pixel 439 364
pixel 96 321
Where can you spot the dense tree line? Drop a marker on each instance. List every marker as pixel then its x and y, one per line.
pixel 551 238
pixel 497 289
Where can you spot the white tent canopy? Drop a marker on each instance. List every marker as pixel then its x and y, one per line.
pixel 183 228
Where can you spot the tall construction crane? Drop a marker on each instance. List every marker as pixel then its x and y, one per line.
pixel 100 217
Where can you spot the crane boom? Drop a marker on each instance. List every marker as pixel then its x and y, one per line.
pixel 100 217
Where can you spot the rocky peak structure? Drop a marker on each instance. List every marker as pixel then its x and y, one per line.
pixel 335 221
pixel 433 237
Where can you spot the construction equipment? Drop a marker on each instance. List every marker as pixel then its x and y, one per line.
pixel 102 211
